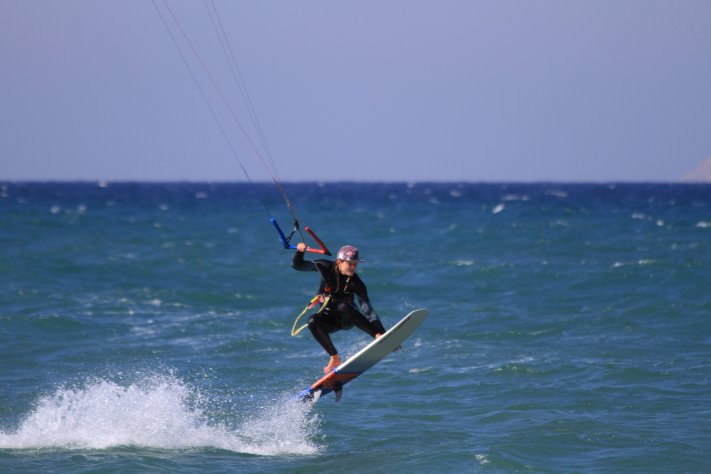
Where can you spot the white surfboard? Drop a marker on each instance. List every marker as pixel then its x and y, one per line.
pixel 365 358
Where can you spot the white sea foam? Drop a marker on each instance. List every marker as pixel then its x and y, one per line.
pixel 516 197
pixel 419 370
pixel 159 412
pixel 482 459
pixel 557 193
pixel 644 261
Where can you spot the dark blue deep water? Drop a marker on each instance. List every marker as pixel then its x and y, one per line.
pixel 145 327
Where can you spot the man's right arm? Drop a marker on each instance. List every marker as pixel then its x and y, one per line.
pixel 301 264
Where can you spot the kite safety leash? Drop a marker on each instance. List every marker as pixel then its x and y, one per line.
pixel 314 301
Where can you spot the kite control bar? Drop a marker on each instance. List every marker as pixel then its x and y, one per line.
pixel 286 241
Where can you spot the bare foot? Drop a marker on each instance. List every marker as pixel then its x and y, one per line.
pixel 378 336
pixel 333 362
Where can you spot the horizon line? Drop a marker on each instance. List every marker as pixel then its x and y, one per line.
pixel 342 181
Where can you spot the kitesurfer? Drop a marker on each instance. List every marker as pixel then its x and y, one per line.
pixel 339 285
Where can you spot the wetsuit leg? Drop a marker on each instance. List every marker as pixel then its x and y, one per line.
pixel 361 322
pixel 342 316
pixel 320 328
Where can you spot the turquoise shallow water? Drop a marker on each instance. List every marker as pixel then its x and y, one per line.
pixel 145 327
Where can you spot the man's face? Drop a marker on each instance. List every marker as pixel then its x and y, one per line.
pixel 347 267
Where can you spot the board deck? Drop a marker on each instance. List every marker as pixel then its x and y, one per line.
pixel 365 358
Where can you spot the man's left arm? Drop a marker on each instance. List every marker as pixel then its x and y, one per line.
pixel 367 309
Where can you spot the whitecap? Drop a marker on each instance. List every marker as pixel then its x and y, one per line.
pixel 498 208
pixel 516 197
pixel 556 192
pixel 419 370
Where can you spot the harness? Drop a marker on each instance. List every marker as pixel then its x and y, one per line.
pixel 324 298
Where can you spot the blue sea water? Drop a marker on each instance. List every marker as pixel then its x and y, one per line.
pixel 145 327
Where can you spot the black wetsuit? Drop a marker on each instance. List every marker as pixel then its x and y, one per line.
pixel 340 313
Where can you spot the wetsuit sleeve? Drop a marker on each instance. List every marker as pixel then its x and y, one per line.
pixel 367 309
pixel 301 264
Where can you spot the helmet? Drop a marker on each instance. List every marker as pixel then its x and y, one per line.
pixel 348 253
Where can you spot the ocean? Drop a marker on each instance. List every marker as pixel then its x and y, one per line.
pixel 145 327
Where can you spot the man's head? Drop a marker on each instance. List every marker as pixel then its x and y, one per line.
pixel 347 260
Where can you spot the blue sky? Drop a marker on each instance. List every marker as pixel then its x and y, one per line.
pixel 381 90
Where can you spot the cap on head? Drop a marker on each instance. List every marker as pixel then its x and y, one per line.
pixel 348 253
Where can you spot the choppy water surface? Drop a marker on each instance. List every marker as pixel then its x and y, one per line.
pixel 146 327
